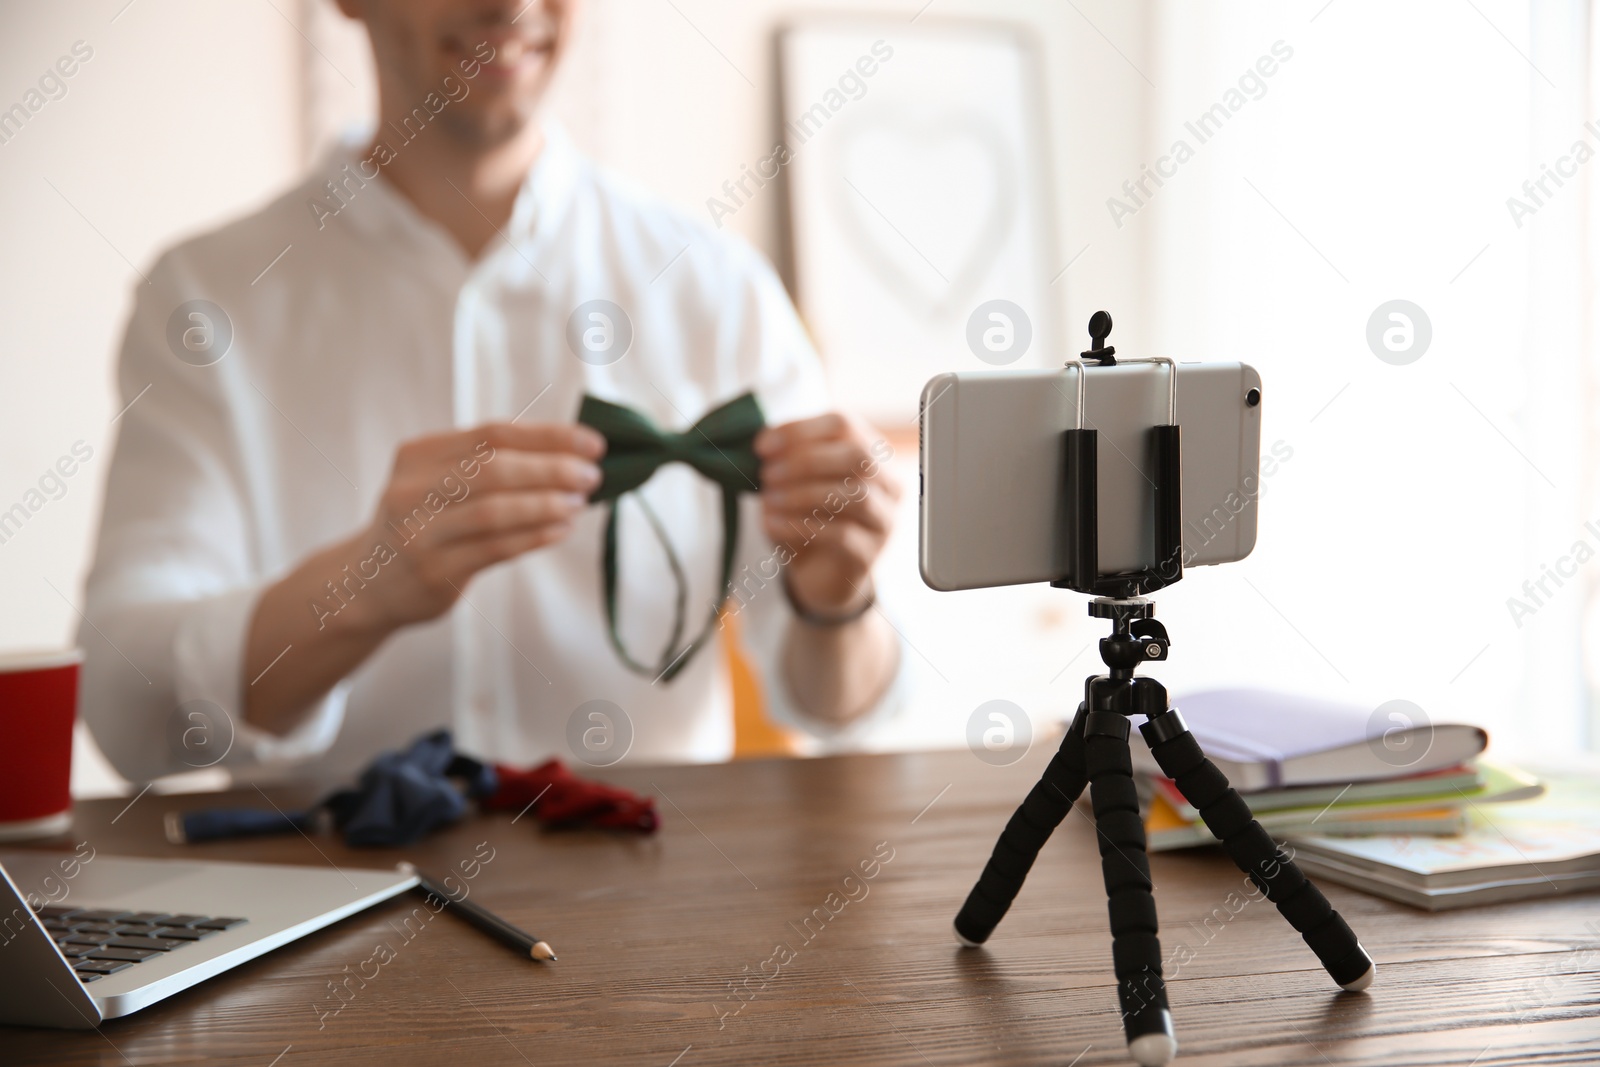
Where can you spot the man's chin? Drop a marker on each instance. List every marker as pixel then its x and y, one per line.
pixel 489 128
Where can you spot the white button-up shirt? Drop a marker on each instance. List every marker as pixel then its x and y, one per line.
pixel 369 328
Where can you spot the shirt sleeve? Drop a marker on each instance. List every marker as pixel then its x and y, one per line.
pixel 790 385
pixel 178 567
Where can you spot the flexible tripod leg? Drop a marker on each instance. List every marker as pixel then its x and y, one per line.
pixel 1253 851
pixel 1030 826
pixel 1135 948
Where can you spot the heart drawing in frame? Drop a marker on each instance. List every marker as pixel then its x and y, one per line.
pixel 925 174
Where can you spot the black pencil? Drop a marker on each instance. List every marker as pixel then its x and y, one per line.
pixel 484 919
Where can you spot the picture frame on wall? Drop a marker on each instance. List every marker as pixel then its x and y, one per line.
pixel 920 233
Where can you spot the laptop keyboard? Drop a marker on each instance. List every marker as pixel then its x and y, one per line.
pixel 100 941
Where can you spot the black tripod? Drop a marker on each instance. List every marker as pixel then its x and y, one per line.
pixel 1095 752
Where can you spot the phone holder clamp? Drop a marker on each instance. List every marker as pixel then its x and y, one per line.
pixel 1080 473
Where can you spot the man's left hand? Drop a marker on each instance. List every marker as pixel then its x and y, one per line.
pixel 828 496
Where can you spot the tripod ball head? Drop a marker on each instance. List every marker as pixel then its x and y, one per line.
pixel 1136 637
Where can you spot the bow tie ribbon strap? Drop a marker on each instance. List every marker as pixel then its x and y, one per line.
pixel 721 447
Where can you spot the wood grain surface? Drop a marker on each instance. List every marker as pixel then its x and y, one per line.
pixel 691 948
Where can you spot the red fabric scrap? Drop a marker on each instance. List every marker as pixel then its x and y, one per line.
pixel 562 799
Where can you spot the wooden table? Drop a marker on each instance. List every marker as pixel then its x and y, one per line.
pixel 655 934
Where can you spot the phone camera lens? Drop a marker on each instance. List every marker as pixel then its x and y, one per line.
pixel 1253 397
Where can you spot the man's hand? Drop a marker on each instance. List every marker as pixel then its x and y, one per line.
pixel 826 494
pixel 500 490
pixel 455 504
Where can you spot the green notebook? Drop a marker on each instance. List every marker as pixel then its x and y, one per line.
pixel 1423 804
pixel 1486 781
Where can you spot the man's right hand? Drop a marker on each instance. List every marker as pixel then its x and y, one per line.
pixel 457 503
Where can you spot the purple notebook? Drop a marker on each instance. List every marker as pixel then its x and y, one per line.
pixel 1263 739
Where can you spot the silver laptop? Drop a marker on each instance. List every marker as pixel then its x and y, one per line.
pixel 118 934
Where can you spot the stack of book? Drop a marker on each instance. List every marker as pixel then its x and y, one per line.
pixel 1404 809
pixel 1540 848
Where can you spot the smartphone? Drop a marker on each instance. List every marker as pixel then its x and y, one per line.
pixel 991 449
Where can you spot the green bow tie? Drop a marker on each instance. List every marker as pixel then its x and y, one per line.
pixel 719 446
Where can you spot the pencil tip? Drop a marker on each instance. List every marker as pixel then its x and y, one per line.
pixel 542 951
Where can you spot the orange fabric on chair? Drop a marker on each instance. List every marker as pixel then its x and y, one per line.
pixel 754 734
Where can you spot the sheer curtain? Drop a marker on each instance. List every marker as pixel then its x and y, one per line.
pixel 1377 164
pixel 1567 33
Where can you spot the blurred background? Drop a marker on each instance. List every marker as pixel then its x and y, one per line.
pixel 1336 156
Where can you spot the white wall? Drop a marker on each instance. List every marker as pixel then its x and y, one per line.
pixel 185 114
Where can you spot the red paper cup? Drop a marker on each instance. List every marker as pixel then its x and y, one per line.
pixel 38 704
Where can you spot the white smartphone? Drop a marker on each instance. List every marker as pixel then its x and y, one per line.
pixel 992 456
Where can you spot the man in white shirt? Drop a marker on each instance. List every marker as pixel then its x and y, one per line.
pixel 350 501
